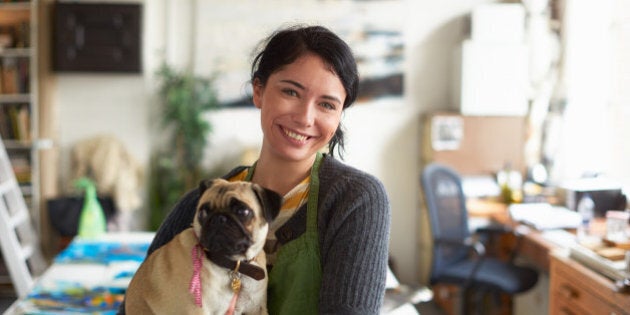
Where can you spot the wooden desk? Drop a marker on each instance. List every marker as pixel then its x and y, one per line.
pixel 533 245
pixel 574 288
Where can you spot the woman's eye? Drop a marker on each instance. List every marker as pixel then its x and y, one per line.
pixel 289 92
pixel 328 106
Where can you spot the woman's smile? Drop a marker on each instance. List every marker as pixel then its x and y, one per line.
pixel 294 135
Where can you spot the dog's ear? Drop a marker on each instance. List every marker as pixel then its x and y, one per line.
pixel 269 200
pixel 205 184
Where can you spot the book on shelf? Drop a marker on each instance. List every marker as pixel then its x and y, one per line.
pixel 15 122
pixel 10 76
pixel 5 125
pixel 23 68
pixel 14 75
pixel 23 123
pixel 6 36
pixel 22 168
pixel 22 32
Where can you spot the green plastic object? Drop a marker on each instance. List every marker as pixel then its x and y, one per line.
pixel 92 222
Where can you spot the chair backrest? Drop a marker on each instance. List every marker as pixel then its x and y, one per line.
pixel 18 238
pixel 448 217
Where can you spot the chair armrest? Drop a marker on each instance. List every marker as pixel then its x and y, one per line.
pixel 495 229
pixel 471 243
pixel 476 245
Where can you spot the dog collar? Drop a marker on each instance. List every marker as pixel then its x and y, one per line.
pixel 245 267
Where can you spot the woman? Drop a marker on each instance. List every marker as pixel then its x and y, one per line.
pixel 328 247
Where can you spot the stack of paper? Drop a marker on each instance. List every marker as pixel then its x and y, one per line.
pixel 544 216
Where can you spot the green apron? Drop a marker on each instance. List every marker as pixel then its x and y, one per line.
pixel 295 278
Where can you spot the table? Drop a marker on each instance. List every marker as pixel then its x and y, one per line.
pixel 89 276
pixel 574 287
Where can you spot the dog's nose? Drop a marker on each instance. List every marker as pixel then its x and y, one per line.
pixel 222 219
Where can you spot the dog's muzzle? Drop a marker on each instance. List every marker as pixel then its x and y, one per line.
pixel 225 234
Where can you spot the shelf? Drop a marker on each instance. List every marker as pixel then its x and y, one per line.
pixel 19 119
pixel 27 189
pixel 15 52
pixel 15 98
pixel 19 5
pixel 11 144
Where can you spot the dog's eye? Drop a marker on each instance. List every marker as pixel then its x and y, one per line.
pixel 240 209
pixel 203 212
pixel 243 212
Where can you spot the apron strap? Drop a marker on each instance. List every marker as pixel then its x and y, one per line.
pixel 313 194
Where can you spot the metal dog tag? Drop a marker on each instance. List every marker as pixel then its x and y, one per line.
pixel 236 282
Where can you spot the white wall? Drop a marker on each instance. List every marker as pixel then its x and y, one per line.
pixel 597 69
pixel 382 138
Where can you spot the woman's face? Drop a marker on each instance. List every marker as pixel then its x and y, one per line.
pixel 301 107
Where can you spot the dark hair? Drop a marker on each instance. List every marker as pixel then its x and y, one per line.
pixel 286 45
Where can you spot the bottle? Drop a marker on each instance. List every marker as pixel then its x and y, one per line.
pixel 510 181
pixel 92 222
pixel 586 209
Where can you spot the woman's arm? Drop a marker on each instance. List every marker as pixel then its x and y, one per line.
pixel 355 243
pixel 179 219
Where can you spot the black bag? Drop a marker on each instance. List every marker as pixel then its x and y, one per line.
pixel 64 212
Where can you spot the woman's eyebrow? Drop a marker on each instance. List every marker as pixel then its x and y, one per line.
pixel 296 84
pixel 300 86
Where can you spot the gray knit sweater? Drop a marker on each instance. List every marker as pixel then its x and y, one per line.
pixel 353 227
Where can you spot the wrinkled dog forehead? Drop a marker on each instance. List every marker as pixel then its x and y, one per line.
pixel 221 194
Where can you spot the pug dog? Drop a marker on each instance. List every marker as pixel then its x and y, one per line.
pixel 217 266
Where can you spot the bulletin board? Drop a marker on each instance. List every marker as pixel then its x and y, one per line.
pixel 474 145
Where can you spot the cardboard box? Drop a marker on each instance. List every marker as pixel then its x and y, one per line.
pixel 494 79
pixel 498 23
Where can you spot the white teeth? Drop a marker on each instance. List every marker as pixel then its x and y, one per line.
pixel 294 135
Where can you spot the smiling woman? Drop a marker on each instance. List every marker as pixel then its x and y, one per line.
pixel 327 250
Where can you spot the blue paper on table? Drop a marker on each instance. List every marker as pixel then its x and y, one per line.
pixel 74 299
pixel 102 252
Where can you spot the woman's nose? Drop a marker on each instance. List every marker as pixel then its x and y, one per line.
pixel 305 113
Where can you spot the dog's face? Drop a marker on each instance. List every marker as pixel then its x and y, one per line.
pixel 232 217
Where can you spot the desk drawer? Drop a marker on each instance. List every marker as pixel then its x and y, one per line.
pixel 560 306
pixel 579 303
pixel 575 292
pixel 577 299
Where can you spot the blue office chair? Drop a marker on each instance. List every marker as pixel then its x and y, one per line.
pixel 457 258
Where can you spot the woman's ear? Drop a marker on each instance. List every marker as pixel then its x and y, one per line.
pixel 258 91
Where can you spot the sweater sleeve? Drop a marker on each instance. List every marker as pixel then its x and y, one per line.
pixel 179 219
pixel 355 244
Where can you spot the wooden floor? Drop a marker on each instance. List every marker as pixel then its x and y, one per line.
pixel 429 308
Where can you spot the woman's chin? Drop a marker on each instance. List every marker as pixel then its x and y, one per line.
pixel 296 155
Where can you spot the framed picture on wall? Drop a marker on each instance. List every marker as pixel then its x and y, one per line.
pixel 97 37
pixel 373 29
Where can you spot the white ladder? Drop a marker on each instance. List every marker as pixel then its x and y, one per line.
pixel 18 238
